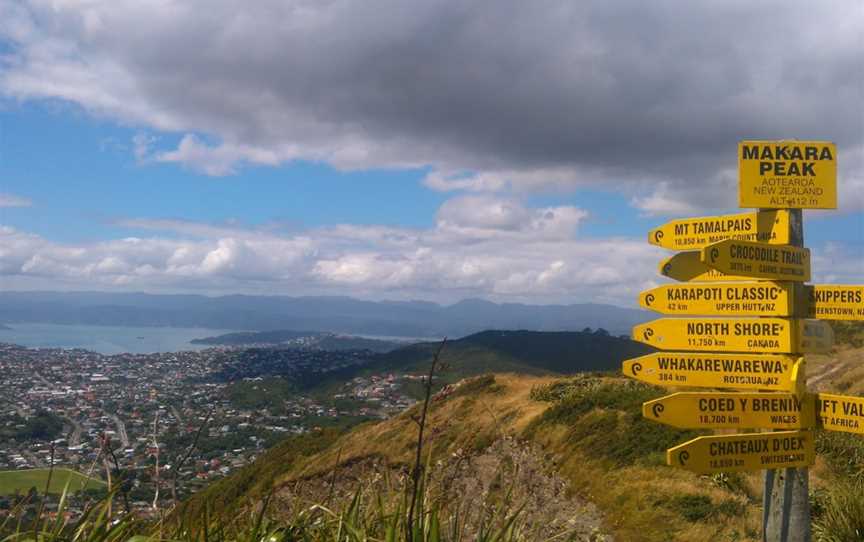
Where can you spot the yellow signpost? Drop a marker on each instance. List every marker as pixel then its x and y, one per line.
pixel 695 233
pixel 705 410
pixel 787 174
pixel 740 371
pixel 742 293
pixel 688 267
pixel 734 299
pixel 840 412
pixel 835 302
pixel 728 453
pixel 758 260
pixel 773 335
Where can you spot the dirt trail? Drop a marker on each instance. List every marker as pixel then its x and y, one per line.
pixel 827 369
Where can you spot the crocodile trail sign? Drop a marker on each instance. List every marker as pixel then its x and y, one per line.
pixel 758 260
pixel 787 174
pixel 688 267
pixel 741 316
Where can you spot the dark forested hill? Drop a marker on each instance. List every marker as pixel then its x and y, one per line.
pixel 562 352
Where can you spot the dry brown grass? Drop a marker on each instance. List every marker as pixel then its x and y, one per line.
pixel 637 502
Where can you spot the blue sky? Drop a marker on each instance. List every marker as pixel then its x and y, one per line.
pixel 385 162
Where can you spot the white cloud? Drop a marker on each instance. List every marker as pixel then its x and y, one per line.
pixel 486 217
pixel 480 246
pixel 11 200
pixel 503 250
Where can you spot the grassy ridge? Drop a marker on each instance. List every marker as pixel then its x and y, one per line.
pixel 590 426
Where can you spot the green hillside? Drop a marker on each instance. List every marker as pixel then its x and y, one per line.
pixel 527 352
pixel 13 481
pixel 510 442
pixel 585 433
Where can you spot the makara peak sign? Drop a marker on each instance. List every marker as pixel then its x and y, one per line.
pixel 787 174
pixel 695 233
pixel 753 451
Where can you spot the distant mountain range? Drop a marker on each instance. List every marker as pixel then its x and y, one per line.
pixel 334 314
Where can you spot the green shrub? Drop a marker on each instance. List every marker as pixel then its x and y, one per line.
pixel 839 514
pixel 731 508
pixel 843 452
pixel 693 507
pixel 605 419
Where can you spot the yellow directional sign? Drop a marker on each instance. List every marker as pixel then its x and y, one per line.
pixel 787 174
pixel 707 410
pixel 758 260
pixel 769 335
pixel 694 233
pixel 755 451
pixel 734 299
pixel 687 267
pixel 740 371
pixel 835 302
pixel 840 412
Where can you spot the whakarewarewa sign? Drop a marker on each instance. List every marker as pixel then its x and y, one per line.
pixel 739 371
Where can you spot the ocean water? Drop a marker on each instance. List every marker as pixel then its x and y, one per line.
pixel 108 339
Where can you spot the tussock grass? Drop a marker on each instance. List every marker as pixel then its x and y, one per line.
pixel 839 513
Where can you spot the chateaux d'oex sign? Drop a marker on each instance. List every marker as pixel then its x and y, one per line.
pixel 740 317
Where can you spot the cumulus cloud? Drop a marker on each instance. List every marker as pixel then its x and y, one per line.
pixel 11 200
pixel 484 216
pixel 517 94
pixel 504 250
